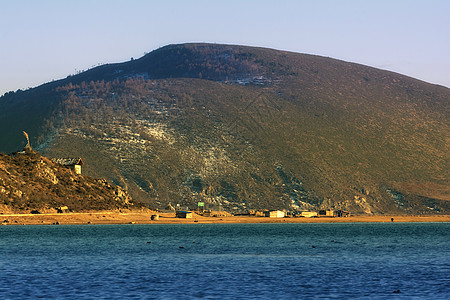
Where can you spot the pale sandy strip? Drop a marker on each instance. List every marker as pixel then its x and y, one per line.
pixel 145 218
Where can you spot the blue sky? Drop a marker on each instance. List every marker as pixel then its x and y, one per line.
pixel 50 39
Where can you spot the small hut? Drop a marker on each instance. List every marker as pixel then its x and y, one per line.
pixel 274 214
pixel 71 163
pixel 183 214
pixel 326 213
pixel 62 209
pixel 309 214
pixel 342 213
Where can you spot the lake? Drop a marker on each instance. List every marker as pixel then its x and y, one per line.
pixel 226 261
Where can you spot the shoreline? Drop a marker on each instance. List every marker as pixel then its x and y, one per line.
pixel 97 218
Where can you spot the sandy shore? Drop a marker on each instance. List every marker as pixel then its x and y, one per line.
pixel 169 218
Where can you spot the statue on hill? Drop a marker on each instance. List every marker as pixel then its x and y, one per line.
pixel 28 146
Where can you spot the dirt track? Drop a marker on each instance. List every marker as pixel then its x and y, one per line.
pixel 169 218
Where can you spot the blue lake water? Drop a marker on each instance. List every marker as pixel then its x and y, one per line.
pixel 223 261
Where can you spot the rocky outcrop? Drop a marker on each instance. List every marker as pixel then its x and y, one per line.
pixel 31 182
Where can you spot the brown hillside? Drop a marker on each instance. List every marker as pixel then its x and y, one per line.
pixel 246 128
pixel 31 182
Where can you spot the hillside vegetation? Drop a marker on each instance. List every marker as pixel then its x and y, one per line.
pixel 30 182
pixel 246 128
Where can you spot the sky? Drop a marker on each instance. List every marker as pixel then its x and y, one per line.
pixel 46 40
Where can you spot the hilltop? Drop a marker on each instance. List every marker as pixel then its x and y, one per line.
pixel 30 182
pixel 245 128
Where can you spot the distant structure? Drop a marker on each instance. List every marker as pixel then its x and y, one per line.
pixel 309 214
pixel 184 214
pixel 342 213
pixel 62 209
pixel 326 213
pixel 274 214
pixel 71 163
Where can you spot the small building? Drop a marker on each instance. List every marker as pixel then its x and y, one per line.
pixel 213 213
pixel 183 214
pixel 71 163
pixel 309 214
pixel 62 209
pixel 274 214
pixel 342 213
pixel 326 213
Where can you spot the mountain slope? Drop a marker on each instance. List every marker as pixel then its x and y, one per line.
pixel 244 128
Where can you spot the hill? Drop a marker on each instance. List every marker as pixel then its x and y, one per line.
pixel 30 182
pixel 246 128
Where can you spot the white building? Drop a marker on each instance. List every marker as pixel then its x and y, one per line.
pixel 309 214
pixel 274 214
